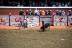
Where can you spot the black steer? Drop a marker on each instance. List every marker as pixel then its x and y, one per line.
pixel 43 27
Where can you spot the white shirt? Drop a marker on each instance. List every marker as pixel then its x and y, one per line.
pixel 24 21
pixel 66 5
pixel 18 5
pixel 35 11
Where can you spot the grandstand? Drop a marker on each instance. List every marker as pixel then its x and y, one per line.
pixel 45 15
pixel 57 13
pixel 38 3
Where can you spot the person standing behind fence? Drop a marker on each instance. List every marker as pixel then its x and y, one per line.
pixel 57 12
pixel 50 12
pixel 43 13
pixel 27 12
pixel 46 12
pixel 60 13
pixel 21 12
pixel 35 12
pixel 40 12
pixel 63 12
pixel 30 12
pixel 25 23
pixel 70 12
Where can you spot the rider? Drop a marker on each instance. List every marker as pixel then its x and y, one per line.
pixel 43 25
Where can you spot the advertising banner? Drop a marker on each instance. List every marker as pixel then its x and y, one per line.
pixel 70 20
pixel 32 21
pixel 4 20
pixel 60 20
pixel 46 19
pixel 15 20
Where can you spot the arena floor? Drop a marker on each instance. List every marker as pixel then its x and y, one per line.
pixel 32 38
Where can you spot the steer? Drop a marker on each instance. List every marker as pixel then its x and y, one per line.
pixel 43 27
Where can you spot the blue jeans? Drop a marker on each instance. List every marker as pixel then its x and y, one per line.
pixel 21 23
pixel 25 25
pixel 35 14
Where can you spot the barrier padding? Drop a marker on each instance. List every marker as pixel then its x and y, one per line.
pixel 38 27
pixel 8 27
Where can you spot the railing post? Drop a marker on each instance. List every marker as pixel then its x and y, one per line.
pixel 53 18
pixel 67 18
pixel 9 18
pixel 39 18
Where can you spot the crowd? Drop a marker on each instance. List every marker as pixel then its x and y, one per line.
pixel 45 13
pixel 34 3
pixel 56 4
pixel 61 4
pixel 39 4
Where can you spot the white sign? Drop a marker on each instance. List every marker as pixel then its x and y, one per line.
pixel 15 20
pixel 46 19
pixel 60 20
pixel 32 21
pixel 4 20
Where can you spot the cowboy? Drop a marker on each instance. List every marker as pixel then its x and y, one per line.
pixel 25 23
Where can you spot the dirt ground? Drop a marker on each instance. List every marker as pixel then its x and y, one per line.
pixel 32 38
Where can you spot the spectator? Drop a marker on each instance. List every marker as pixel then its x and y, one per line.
pixel 33 3
pixel 63 12
pixel 60 13
pixel 59 5
pixel 43 12
pixel 70 12
pixel 62 4
pixel 21 12
pixel 53 5
pixel 30 3
pixel 46 5
pixel 27 12
pixel 35 12
pixel 39 4
pixel 40 12
pixel 30 12
pixel 50 12
pixel 24 3
pixel 46 13
pixel 18 5
pixel 42 4
pixel 57 12
pixel 21 5
pixel 66 5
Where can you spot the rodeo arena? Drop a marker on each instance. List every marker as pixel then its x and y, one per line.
pixel 33 17
pixel 35 27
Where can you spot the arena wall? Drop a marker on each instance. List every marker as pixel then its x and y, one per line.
pixel 15 10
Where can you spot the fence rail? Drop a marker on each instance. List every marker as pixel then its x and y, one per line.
pixel 14 20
